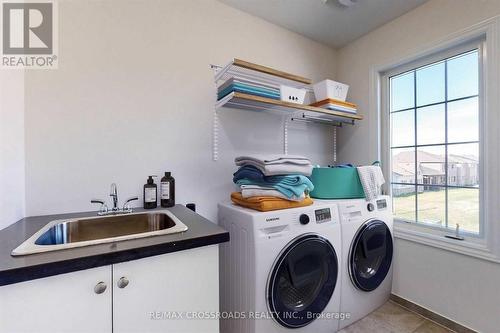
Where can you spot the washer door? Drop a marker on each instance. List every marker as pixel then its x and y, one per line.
pixel 302 281
pixel 371 255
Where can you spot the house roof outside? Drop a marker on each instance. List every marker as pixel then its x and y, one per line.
pixel 429 164
pixel 403 169
pixel 463 159
pixel 429 171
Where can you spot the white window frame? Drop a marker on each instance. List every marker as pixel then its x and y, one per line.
pixel 487 245
pixel 478 44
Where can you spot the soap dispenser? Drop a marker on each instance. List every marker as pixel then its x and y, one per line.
pixel 150 194
pixel 167 190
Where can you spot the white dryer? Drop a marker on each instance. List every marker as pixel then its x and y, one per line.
pixel 367 249
pixel 280 271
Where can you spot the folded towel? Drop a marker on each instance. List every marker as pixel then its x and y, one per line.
pixel 274 159
pixel 271 165
pixel 249 172
pixel 290 186
pixel 248 191
pixel 372 179
pixel 265 204
pixel 253 173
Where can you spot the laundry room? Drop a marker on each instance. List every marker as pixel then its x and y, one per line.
pixel 250 166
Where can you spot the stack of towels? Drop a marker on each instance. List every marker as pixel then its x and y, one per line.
pixel 271 182
pixel 247 86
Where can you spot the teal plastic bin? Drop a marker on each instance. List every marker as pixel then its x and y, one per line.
pixel 336 183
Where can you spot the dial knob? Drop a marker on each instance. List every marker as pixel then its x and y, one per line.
pixel 304 219
pixel 370 207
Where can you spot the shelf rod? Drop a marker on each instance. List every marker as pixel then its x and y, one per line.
pixel 319 121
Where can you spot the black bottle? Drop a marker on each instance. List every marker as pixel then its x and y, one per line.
pixel 150 194
pixel 167 190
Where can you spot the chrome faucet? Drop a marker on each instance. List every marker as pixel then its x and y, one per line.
pixel 114 194
pixel 104 210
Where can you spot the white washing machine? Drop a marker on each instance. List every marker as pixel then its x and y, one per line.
pixel 367 249
pixel 280 271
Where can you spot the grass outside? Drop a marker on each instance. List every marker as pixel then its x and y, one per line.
pixel 463 208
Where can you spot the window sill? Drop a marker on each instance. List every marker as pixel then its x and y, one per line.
pixel 470 246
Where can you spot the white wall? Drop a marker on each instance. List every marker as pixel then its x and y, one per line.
pixel 12 176
pixel 134 95
pixel 456 286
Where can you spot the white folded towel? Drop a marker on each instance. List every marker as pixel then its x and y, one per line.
pixel 248 191
pixel 372 179
pixel 272 165
pixel 275 159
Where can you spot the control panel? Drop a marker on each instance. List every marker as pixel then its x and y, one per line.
pixel 316 216
pixel 381 204
pixel 323 215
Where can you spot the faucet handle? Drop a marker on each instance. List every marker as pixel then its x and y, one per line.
pixel 103 209
pixel 126 205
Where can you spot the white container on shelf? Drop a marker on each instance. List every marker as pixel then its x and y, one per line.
pixel 292 95
pixel 330 89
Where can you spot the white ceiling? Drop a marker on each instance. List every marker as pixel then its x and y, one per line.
pixel 329 23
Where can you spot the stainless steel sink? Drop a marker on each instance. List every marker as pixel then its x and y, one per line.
pixel 71 233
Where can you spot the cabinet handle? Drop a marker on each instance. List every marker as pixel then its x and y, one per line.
pixel 100 287
pixel 122 282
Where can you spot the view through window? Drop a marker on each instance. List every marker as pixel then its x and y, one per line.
pixel 434 114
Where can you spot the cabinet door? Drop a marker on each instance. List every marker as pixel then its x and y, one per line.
pixel 166 293
pixel 61 303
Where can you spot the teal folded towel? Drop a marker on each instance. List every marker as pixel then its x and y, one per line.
pixel 289 185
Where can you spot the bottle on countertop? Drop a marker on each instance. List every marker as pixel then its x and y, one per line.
pixel 150 194
pixel 167 190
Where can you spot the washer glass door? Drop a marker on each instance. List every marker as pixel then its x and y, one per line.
pixel 371 255
pixel 302 281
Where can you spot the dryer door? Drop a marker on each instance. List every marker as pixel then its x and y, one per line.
pixel 370 256
pixel 302 281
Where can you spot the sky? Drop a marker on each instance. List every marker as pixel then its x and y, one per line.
pixel 461 74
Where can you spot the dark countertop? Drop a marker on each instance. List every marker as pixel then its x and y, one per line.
pixel 201 232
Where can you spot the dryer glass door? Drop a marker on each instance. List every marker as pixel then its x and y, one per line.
pixel 371 255
pixel 302 281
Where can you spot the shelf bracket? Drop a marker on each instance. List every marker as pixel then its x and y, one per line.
pixel 334 145
pixel 286 122
pixel 215 124
pixel 215 136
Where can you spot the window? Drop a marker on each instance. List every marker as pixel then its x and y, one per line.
pixel 437 108
pixel 434 111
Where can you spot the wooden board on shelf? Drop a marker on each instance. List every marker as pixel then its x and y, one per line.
pixel 334 101
pixel 269 70
pixel 293 106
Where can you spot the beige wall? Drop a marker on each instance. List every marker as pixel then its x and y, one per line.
pixel 459 287
pixel 134 95
pixel 12 176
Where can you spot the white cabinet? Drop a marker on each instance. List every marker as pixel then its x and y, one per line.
pixel 174 292
pixel 165 293
pixel 62 303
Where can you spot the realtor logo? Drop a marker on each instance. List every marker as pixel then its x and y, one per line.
pixel 28 31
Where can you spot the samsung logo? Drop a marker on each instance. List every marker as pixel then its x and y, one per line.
pixel 271 219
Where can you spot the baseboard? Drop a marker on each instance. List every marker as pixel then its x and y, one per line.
pixel 437 318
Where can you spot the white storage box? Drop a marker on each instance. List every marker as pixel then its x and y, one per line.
pixel 292 95
pixel 330 89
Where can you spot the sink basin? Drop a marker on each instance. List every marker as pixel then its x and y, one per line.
pixel 71 233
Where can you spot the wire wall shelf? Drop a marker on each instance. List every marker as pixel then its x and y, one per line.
pixel 290 111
